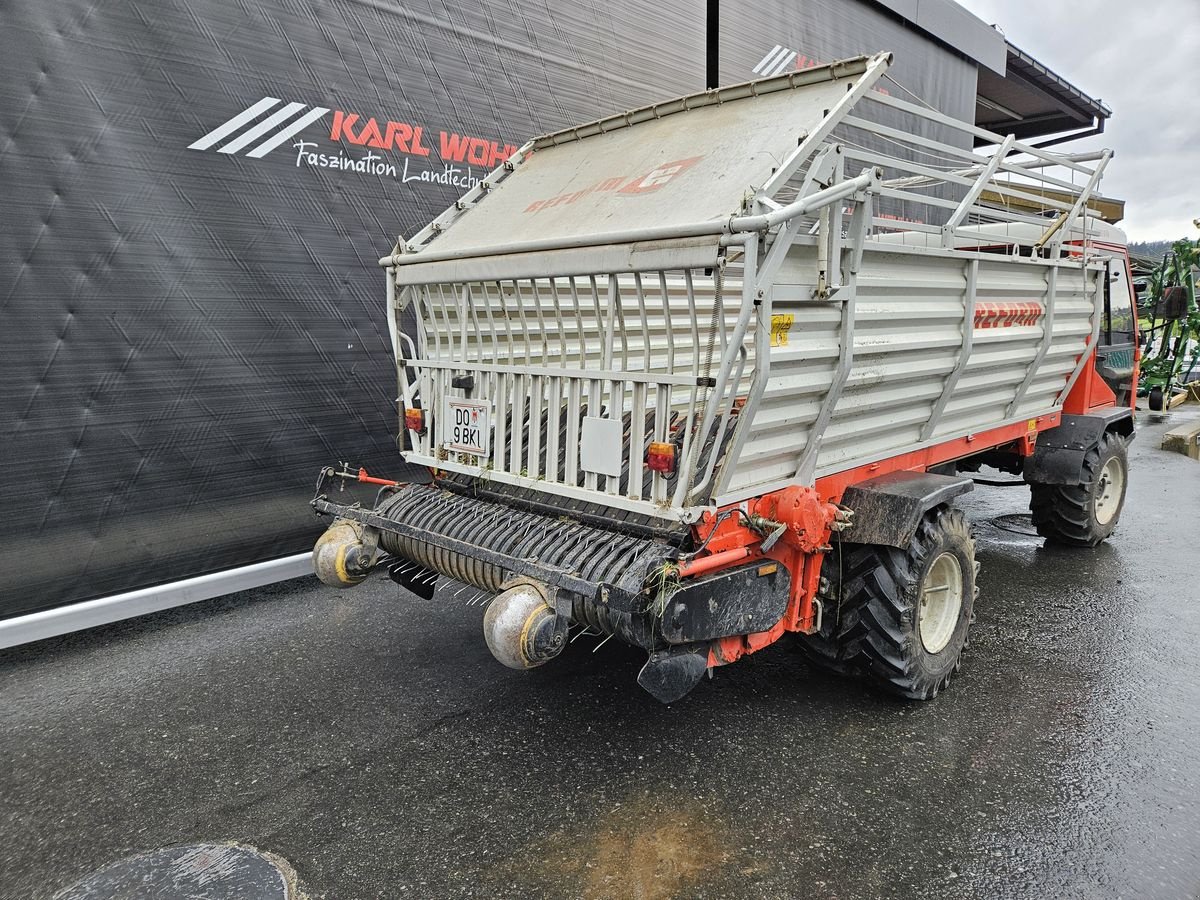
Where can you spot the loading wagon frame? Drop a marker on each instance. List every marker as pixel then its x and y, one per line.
pixel 602 361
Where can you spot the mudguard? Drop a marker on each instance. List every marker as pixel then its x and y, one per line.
pixel 1060 451
pixel 888 509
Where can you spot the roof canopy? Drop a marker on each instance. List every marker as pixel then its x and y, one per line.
pixel 1016 93
pixel 1031 101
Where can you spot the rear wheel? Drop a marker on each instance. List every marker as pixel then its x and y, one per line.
pixel 1082 515
pixel 900 616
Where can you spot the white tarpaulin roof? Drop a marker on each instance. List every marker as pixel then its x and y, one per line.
pixel 687 161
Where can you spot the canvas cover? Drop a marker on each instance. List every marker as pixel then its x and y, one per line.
pixel 684 168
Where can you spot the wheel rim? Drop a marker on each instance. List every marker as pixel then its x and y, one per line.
pixel 941 603
pixel 1109 490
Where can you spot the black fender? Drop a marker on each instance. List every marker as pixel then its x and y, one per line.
pixel 888 509
pixel 1060 451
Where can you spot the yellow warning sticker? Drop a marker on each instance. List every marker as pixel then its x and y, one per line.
pixel 780 326
pixel 1033 424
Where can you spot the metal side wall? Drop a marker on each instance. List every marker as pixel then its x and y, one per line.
pixel 910 316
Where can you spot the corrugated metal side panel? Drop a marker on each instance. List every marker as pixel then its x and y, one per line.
pixel 545 353
pixel 908 335
pixel 559 322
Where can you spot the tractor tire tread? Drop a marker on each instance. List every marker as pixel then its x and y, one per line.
pixel 873 632
pixel 1062 514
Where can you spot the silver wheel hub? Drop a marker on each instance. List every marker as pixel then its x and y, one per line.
pixel 940 603
pixel 1109 489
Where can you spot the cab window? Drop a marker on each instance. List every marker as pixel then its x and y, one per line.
pixel 1118 304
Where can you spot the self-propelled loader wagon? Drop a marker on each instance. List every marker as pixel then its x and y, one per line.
pixel 706 373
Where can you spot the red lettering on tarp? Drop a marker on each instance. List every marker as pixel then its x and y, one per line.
pixel 656 178
pixel 639 184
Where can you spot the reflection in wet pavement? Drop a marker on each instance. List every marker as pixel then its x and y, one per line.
pixel 368 738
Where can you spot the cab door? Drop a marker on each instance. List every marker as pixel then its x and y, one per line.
pixel 1115 361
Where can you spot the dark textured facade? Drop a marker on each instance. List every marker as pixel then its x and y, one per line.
pixel 195 197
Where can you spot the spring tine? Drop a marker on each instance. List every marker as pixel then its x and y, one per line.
pixel 602 643
pixel 495 515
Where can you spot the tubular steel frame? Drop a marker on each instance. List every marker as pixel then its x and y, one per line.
pixel 604 339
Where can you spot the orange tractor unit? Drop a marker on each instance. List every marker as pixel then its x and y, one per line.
pixel 709 372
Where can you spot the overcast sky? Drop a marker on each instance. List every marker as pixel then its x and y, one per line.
pixel 1143 60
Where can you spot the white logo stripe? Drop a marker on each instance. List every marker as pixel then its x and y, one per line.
pixel 762 63
pixel 272 142
pixel 783 64
pixel 271 121
pixel 234 124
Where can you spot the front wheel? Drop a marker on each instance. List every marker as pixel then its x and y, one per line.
pixel 901 616
pixel 1082 515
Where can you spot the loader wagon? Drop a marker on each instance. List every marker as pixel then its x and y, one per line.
pixel 709 372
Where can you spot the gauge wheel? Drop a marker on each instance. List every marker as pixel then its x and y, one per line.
pixel 1083 515
pixel 900 616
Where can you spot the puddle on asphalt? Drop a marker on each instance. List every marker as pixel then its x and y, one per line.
pixel 192 871
pixel 1015 523
pixel 648 848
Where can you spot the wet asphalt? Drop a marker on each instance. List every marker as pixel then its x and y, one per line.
pixel 368 738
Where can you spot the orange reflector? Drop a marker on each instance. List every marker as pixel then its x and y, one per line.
pixel 414 420
pixel 661 458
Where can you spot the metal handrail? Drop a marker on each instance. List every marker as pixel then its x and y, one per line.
pixel 734 226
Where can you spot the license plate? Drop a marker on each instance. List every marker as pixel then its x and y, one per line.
pixel 467 427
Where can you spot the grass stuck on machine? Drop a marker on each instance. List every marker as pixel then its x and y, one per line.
pixel 711 372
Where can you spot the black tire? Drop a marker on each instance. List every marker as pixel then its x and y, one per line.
pixel 1067 513
pixel 1155 399
pixel 871 623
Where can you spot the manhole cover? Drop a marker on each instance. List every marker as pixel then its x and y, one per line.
pixel 192 872
pixel 1017 523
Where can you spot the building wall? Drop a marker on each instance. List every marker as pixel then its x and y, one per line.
pixel 193 322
